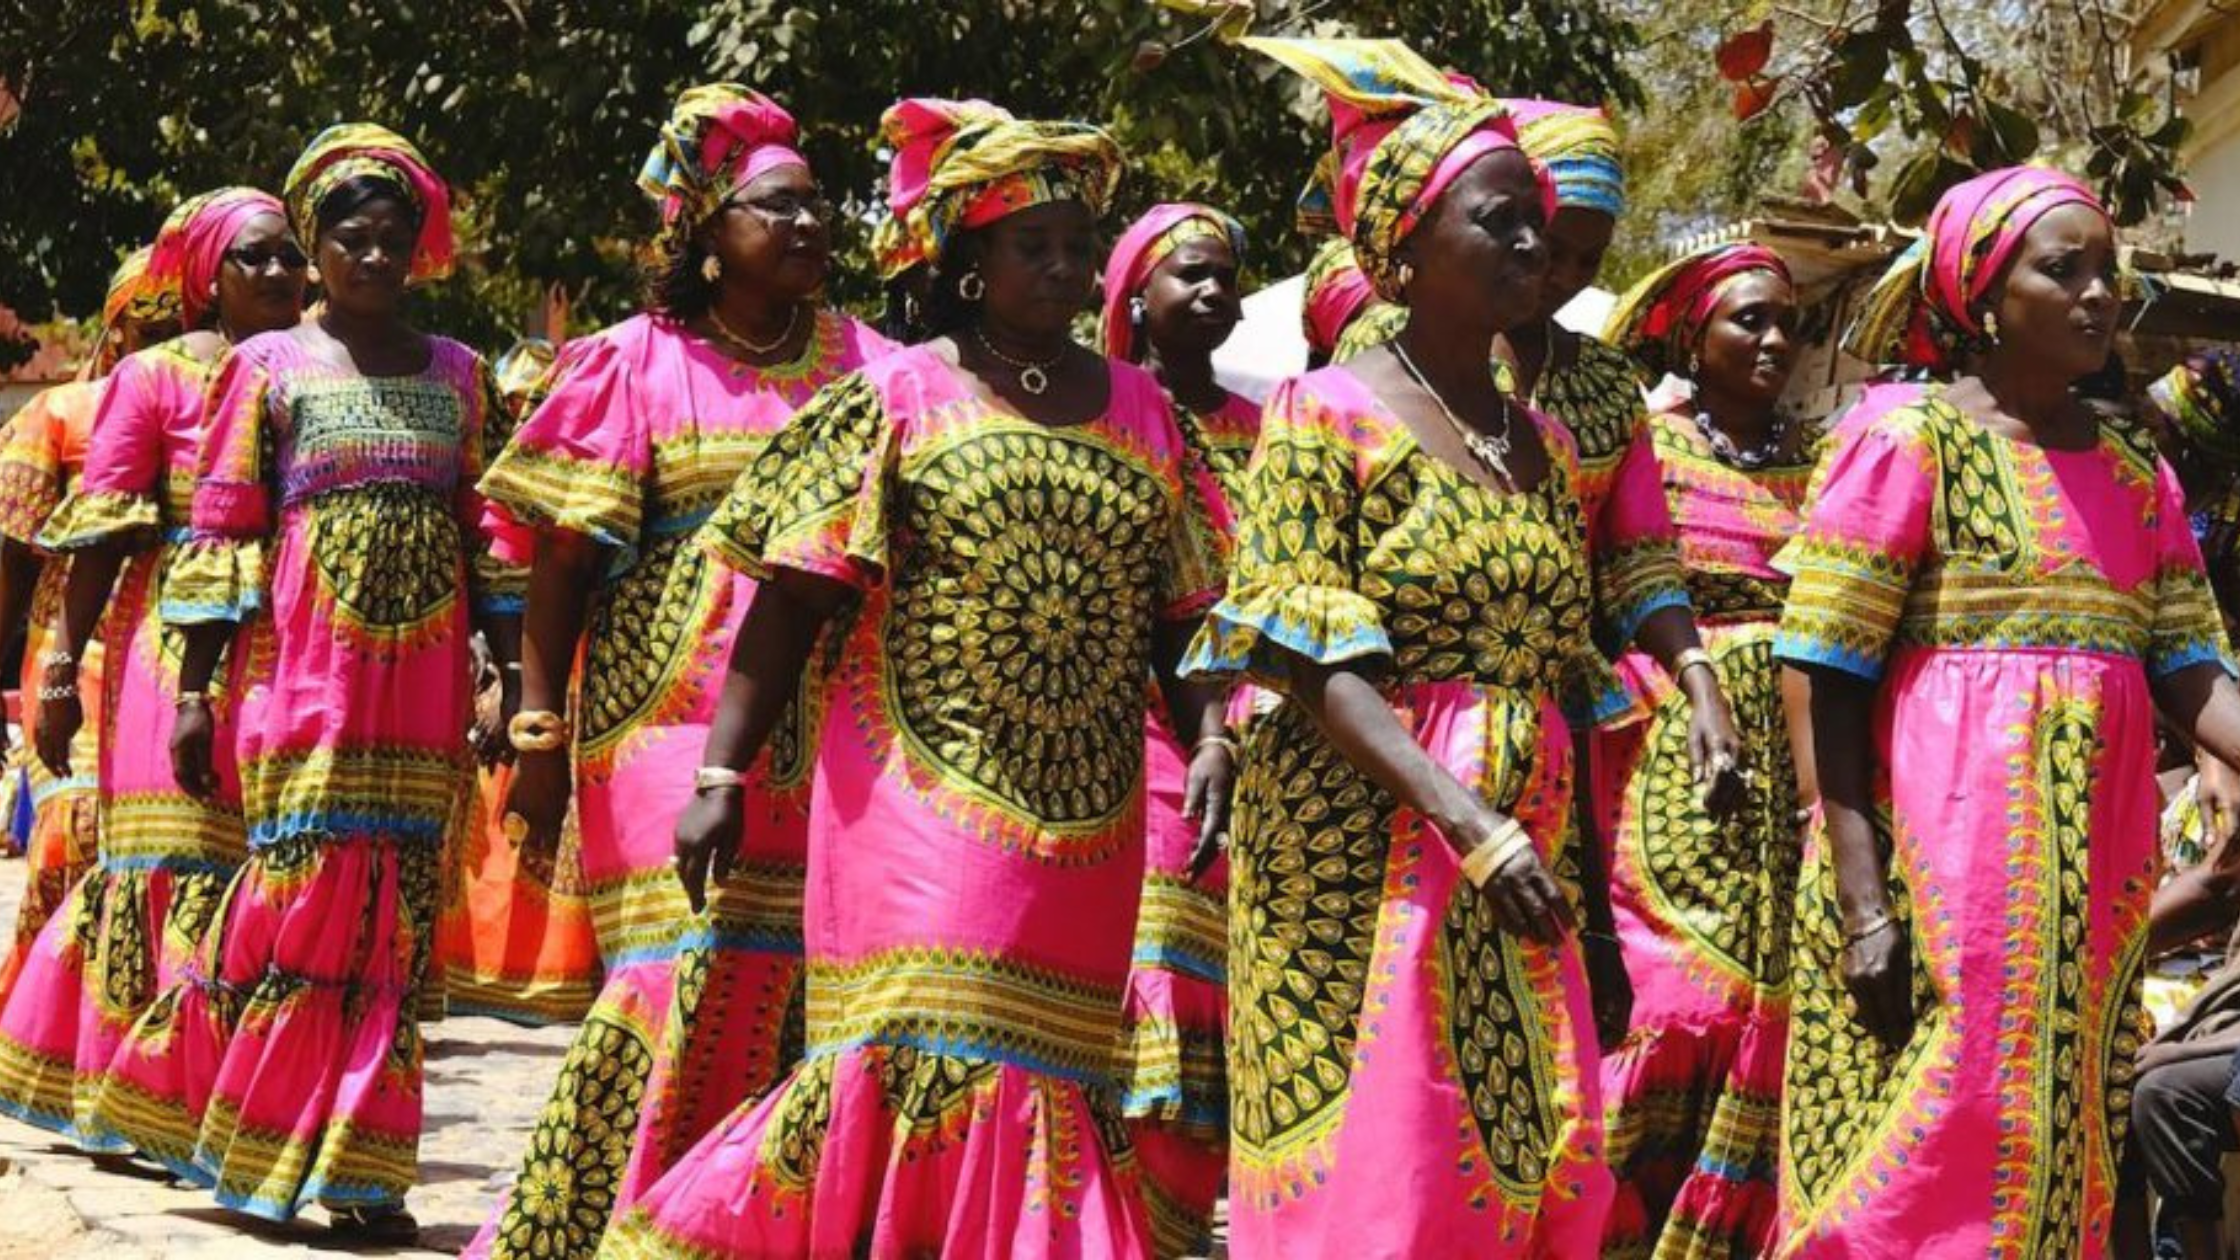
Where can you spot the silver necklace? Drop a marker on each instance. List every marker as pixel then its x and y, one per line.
pixel 1748 460
pixel 1034 377
pixel 1490 449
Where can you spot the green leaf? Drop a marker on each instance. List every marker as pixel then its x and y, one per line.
pixel 2013 138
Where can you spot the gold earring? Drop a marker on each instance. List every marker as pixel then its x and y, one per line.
pixel 1991 326
pixel 711 269
pixel 1406 275
pixel 971 287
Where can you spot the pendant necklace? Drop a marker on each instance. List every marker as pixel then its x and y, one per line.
pixel 1490 449
pixel 1034 377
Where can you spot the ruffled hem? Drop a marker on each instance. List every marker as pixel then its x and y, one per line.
pixel 214 579
pixel 1325 624
pixel 86 519
pixel 887 1150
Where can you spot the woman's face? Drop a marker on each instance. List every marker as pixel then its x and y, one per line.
pixel 1578 238
pixel 1481 256
pixel 366 256
pixel 1190 301
pixel 772 234
pixel 1040 266
pixel 2057 308
pixel 1749 345
pixel 260 282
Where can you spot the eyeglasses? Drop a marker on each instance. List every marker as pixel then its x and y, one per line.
pixel 786 208
pixel 254 259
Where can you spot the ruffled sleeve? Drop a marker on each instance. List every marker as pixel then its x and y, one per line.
pixel 497 584
pixel 578 461
pixel 1294 591
pixel 31 472
pixel 1634 548
pixel 818 497
pixel 119 495
pixel 218 574
pixel 1865 538
pixel 2187 628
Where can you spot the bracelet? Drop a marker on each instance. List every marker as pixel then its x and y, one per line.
pixel 56 656
pixel 1880 922
pixel 1608 938
pixel 538 730
pixel 1507 841
pixel 1222 742
pixel 58 693
pixel 716 778
pixel 1689 658
pixel 185 698
pixel 513 667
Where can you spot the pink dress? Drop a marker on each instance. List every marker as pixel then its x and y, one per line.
pixel 166 857
pixel 42 449
pixel 2010 604
pixel 976 828
pixel 1175 1092
pixel 644 431
pixel 335 521
pixel 1703 906
pixel 1405 1078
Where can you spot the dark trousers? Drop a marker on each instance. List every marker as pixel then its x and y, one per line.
pixel 2181 1130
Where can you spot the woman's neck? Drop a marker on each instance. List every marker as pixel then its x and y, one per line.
pixel 1746 421
pixel 2040 401
pixel 364 328
pixel 1024 343
pixel 753 312
pixel 1453 359
pixel 1188 376
pixel 1532 349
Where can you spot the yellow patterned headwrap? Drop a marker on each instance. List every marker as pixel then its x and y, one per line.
pixel 133 296
pixel 967 164
pixel 351 150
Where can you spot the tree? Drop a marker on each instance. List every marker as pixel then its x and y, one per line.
pixel 540 111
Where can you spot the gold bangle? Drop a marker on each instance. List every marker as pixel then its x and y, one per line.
pixel 185 698
pixel 1877 924
pixel 1691 657
pixel 1490 855
pixel 1222 742
pixel 538 730
pixel 716 778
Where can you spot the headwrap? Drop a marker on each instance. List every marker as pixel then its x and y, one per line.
pixel 2201 397
pixel 1336 293
pixel 1401 131
pixel 1660 321
pixel 350 151
pixel 134 295
pixel 719 138
pixel 194 240
pixel 1580 149
pixel 1921 312
pixel 1147 243
pixel 965 164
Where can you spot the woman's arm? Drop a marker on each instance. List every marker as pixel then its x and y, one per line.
pixel 1714 747
pixel 1198 709
pixel 542 646
pixel 1876 959
pixel 85 593
pixel 194 731
pixel 19 573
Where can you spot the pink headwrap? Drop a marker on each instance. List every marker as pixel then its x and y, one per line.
pixel 1661 319
pixel 719 138
pixel 1336 293
pixel 965 164
pixel 348 151
pixel 194 239
pixel 1147 243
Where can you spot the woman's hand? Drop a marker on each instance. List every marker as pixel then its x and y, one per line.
pixel 193 736
pixel 1714 747
pixel 1877 969
pixel 2216 789
pixel 537 808
pixel 493 741
pixel 1205 801
pixel 1610 987
pixel 707 840
pixel 60 717
pixel 1526 900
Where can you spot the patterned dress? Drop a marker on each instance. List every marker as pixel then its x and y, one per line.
pixel 2010 603
pixel 976 834
pixel 1406 1079
pixel 643 433
pixel 1703 907
pixel 335 521
pixel 1174 1091
pixel 42 450
pixel 166 857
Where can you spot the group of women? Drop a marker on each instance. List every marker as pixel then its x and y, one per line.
pixel 1025 791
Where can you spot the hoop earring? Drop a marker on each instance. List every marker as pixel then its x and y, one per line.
pixel 1695 365
pixel 971 287
pixel 1991 327
pixel 711 269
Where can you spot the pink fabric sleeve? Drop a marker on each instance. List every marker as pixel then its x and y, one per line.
pixel 121 490
pixel 2187 628
pixel 1865 538
pixel 218 573
pixel 578 462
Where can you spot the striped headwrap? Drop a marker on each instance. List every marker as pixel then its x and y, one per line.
pixel 1922 311
pixel 1401 132
pixel 1336 293
pixel 965 164
pixel 350 151
pixel 2201 399
pixel 719 138
pixel 133 298
pixel 1580 149
pixel 194 240
pixel 1660 321
pixel 1147 243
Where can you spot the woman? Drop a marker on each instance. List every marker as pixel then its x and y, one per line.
pixel 335 547
pixel 1336 299
pixel 42 451
pixel 1026 532
pixel 1994 588
pixel 1170 299
pixel 647 426
pixel 1412 1063
pixel 1703 903
pixel 166 855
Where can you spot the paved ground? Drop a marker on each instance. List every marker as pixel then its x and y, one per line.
pixel 486 1080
